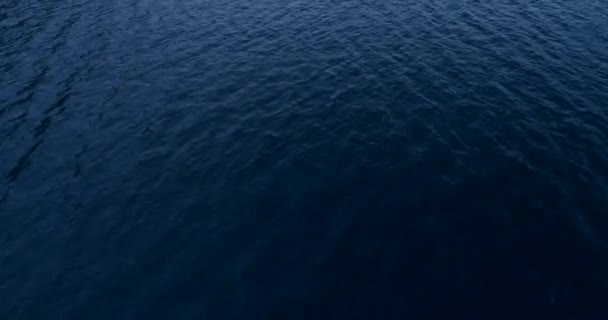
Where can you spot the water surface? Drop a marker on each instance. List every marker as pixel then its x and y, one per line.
pixel 297 159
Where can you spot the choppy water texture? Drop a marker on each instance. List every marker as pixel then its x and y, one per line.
pixel 297 159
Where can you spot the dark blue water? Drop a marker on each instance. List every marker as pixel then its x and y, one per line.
pixel 264 159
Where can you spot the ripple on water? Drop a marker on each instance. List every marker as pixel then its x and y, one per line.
pixel 303 158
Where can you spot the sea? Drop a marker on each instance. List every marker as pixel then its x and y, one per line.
pixel 303 159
